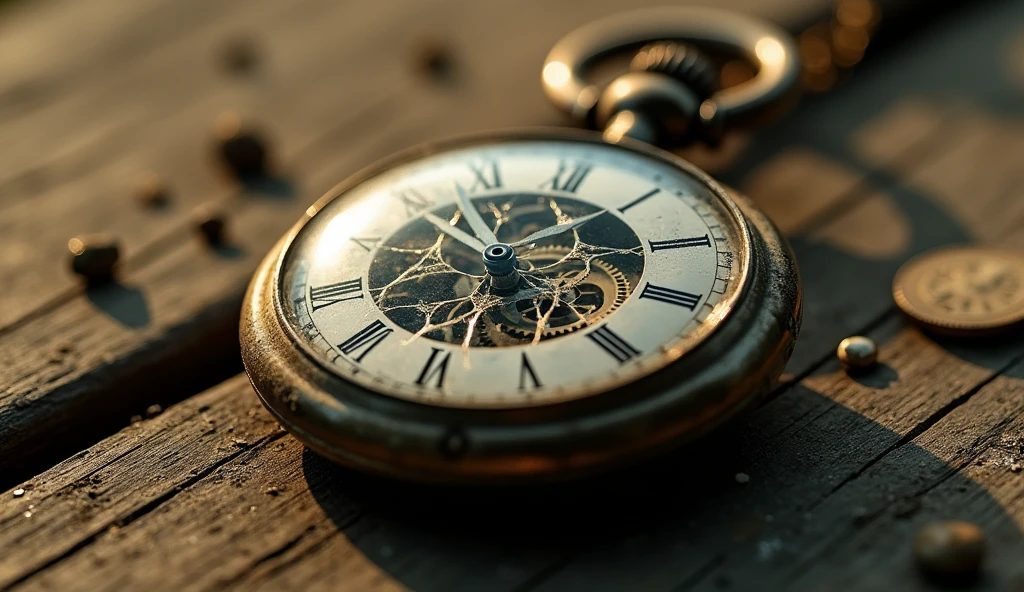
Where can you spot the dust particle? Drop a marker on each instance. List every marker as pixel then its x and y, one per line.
pixel 742 478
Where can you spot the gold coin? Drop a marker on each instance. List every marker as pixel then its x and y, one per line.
pixel 963 290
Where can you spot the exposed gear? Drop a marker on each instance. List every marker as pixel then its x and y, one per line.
pixel 584 297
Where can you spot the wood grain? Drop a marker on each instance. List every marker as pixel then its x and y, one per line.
pixel 212 494
pixel 135 114
pixel 842 470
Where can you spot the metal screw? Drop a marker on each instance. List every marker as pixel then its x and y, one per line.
pixel 240 149
pixel 153 191
pixel 210 222
pixel 949 550
pixel 857 354
pixel 453 444
pixel 94 257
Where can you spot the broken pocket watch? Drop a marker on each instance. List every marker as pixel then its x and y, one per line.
pixel 539 304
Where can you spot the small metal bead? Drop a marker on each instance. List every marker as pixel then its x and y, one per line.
pixel 949 551
pixel 94 257
pixel 241 150
pixel 210 222
pixel 152 191
pixel 857 354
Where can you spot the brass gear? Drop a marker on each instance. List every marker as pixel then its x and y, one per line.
pixel 514 322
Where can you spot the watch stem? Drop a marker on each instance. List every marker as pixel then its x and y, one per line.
pixel 502 265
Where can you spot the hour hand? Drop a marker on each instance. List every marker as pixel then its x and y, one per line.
pixel 556 230
pixel 472 215
pixel 463 237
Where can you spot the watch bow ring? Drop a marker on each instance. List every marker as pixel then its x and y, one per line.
pixel 769 49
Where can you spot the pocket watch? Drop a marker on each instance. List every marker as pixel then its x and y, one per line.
pixel 533 305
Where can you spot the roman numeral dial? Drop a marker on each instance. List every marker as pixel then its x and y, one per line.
pixel 486 176
pixel 527 375
pixel 623 264
pixel 435 369
pixel 613 344
pixel 323 296
pixel 681 243
pixel 365 340
pixel 568 177
pixel 670 296
pixel 640 199
pixel 414 201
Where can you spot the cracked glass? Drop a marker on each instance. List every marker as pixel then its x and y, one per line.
pixel 510 274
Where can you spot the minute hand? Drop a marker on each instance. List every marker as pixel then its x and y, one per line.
pixel 472 216
pixel 556 230
pixel 452 231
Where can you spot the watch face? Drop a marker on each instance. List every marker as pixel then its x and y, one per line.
pixel 512 273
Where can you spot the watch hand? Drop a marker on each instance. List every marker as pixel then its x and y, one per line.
pixel 556 230
pixel 459 235
pixel 472 215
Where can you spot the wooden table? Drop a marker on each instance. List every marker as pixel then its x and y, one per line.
pixel 921 147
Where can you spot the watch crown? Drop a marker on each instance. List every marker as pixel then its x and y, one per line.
pixel 682 62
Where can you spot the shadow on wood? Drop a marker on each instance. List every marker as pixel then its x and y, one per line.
pixel 674 521
pixel 125 304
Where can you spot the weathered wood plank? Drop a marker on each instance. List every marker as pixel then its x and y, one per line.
pixel 106 355
pixel 82 396
pixel 959 468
